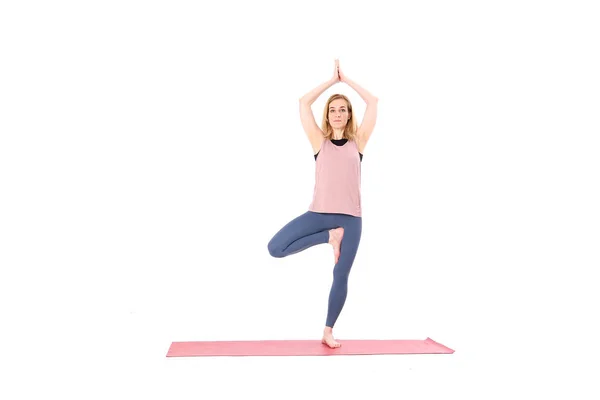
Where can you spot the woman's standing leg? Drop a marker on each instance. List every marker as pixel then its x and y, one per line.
pixel 307 230
pixel 339 288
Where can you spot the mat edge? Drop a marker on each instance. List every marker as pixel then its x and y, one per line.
pixel 451 351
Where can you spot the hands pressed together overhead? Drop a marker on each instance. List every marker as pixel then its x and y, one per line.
pixel 338 75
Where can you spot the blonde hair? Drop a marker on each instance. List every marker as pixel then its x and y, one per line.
pixel 349 130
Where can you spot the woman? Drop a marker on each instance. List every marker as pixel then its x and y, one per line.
pixel 335 214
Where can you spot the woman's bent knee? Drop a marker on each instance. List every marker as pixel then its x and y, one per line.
pixel 274 250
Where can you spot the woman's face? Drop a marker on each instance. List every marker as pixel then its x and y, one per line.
pixel 338 113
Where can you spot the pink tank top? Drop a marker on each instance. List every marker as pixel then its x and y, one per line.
pixel 337 179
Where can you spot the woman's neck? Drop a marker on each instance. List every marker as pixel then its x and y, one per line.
pixel 337 134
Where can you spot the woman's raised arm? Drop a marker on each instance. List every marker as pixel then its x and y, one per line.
pixel 312 130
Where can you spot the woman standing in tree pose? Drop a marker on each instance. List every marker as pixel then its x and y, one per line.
pixel 334 215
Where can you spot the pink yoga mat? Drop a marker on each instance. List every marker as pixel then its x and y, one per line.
pixel 305 348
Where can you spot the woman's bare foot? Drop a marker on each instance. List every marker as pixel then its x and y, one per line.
pixel 335 239
pixel 328 338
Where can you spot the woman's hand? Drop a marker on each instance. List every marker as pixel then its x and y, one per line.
pixel 341 75
pixel 336 74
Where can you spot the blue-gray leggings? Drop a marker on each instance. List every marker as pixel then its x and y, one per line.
pixel 312 228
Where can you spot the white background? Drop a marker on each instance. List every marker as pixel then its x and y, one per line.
pixel 150 150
